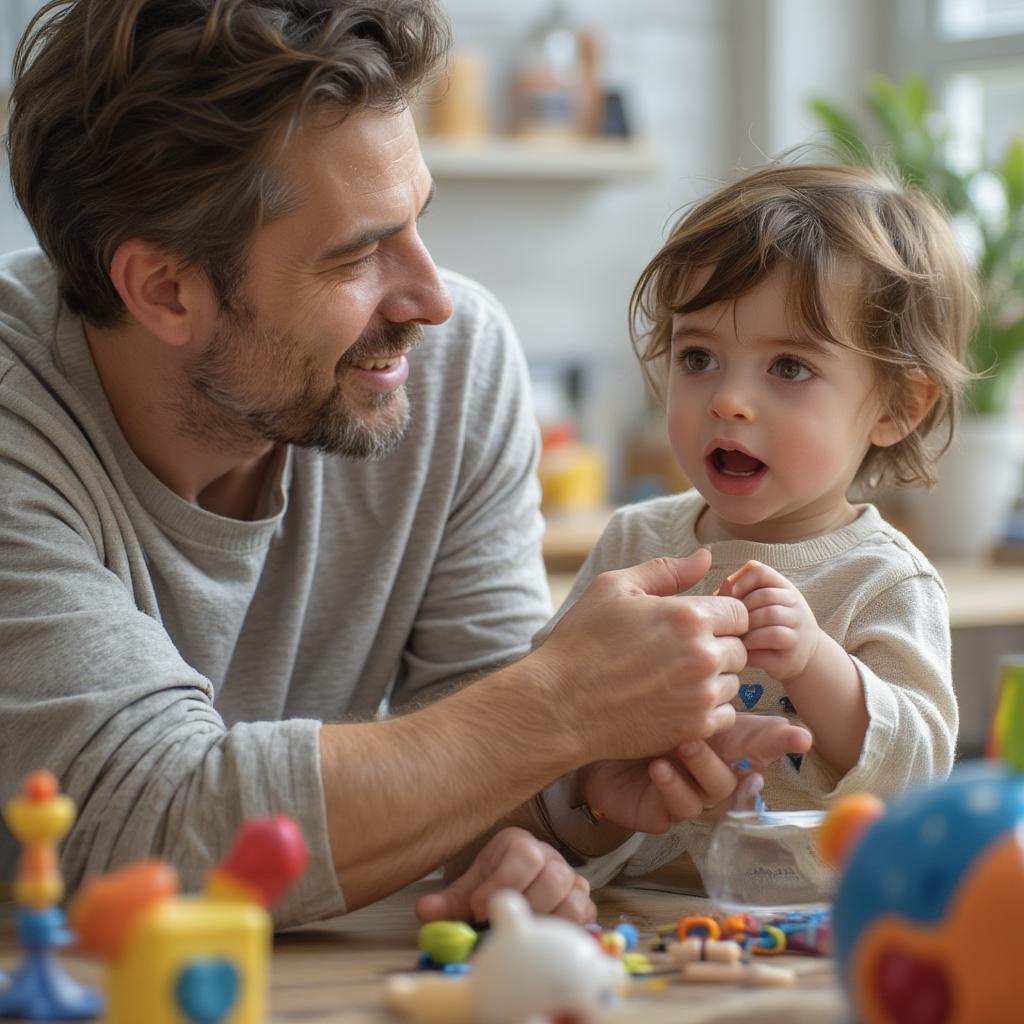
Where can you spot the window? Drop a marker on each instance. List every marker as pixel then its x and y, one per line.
pixel 975 19
pixel 972 51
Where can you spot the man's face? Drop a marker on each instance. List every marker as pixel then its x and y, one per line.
pixel 312 349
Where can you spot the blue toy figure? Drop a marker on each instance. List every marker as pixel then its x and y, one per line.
pixel 928 914
pixel 40 989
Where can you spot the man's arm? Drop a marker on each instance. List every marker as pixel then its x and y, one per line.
pixel 630 671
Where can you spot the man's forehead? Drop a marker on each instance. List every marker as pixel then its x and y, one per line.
pixel 354 177
pixel 364 154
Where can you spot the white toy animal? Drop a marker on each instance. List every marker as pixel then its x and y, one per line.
pixel 528 969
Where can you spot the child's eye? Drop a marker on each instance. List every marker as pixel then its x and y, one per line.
pixel 696 360
pixel 790 369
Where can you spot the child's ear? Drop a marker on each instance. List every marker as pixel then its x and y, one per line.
pixel 920 394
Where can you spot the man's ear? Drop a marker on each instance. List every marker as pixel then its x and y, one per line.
pixel 920 394
pixel 171 303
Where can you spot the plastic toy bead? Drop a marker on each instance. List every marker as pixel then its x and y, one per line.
pixel 693 949
pixel 706 927
pixel 447 942
pixel 770 942
pixel 613 943
pixel 629 933
pixel 636 963
pixel 740 927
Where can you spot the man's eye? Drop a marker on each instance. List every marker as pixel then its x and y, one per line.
pixel 786 368
pixel 695 360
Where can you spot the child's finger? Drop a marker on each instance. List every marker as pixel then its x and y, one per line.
pixel 551 887
pixel 765 596
pixel 714 779
pixel 578 906
pixel 773 743
pixel 773 615
pixel 768 638
pixel 753 576
pixel 679 796
pixel 520 865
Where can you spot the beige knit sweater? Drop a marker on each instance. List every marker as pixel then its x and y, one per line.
pixel 874 593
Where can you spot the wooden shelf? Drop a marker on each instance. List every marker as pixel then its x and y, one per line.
pixel 511 159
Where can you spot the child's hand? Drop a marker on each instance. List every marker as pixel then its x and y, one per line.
pixel 782 633
pixel 513 859
pixel 653 795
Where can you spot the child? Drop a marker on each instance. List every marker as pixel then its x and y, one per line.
pixel 810 325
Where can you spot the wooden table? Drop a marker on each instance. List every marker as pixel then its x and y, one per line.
pixel 334 972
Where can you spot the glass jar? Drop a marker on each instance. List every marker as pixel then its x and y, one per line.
pixel 767 862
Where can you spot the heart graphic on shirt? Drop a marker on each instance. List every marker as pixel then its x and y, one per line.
pixel 796 760
pixel 750 694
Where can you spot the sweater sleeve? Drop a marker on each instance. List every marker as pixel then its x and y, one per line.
pixel 92 688
pixel 900 644
pixel 487 592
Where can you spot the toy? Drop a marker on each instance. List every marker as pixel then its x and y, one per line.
pixel 527 967
pixel 717 960
pixel 446 946
pixel 737 972
pixel 927 918
pixel 192 959
pixel 40 989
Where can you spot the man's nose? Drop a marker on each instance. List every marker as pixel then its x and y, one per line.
pixel 420 296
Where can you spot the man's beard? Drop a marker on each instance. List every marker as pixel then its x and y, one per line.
pixel 220 404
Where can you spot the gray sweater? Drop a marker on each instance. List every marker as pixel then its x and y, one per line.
pixel 172 666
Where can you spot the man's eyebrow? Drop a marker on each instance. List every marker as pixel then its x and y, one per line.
pixel 345 249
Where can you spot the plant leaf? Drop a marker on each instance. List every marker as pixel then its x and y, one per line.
pixel 1013 173
pixel 843 130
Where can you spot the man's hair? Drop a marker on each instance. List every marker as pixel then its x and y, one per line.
pixel 915 299
pixel 162 120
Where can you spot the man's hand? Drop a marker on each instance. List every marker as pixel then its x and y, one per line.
pixel 782 633
pixel 633 670
pixel 652 795
pixel 512 859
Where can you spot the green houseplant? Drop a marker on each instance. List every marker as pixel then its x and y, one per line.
pixel 986 203
pixel 979 478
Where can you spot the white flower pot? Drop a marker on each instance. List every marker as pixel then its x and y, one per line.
pixel 979 478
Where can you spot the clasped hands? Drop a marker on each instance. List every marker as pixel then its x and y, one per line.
pixel 685 671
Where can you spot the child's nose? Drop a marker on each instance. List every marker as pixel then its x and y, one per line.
pixel 732 401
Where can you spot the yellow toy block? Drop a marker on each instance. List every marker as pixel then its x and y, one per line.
pixel 191 950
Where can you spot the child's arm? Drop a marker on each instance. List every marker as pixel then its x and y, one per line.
pixel 897 701
pixel 819 677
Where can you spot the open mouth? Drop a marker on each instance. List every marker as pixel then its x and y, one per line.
pixel 730 462
pixel 387 363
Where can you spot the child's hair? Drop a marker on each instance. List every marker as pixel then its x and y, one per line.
pixel 917 302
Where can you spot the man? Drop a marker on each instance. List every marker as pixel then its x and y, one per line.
pixel 264 467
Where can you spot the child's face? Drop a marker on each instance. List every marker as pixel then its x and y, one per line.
pixel 767 421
